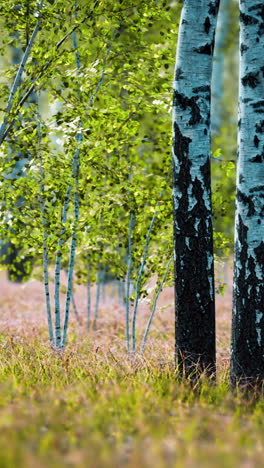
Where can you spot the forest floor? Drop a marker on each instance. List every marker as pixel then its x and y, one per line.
pixel 94 406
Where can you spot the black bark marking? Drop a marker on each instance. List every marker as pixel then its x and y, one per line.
pixel 257 6
pixel 192 230
pixel 260 127
pixel 259 251
pixel 243 198
pixel 213 8
pixel 260 188
pixel 202 89
pixel 193 300
pixel 205 131
pixel 242 233
pixel 207 25
pixel 256 141
pixel 241 179
pixel 257 159
pixel 258 104
pixel 247 361
pixel 247 20
pixel 179 75
pixel 251 79
pixel 261 30
pixel 180 144
pixel 259 13
pixel 206 173
pixel 184 102
pixel 243 48
pixel 206 49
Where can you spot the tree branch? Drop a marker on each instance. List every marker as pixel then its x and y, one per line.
pixel 5 128
pixel 17 80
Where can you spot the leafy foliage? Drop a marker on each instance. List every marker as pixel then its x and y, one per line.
pixel 120 100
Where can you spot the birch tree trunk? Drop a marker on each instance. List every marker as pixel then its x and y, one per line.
pixel 218 68
pixel 247 348
pixel 193 238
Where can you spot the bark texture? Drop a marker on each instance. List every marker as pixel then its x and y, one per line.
pixel 247 348
pixel 193 238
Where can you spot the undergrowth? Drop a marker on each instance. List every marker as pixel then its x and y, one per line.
pixel 94 407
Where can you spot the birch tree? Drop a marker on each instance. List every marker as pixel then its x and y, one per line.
pixel 193 237
pixel 247 349
pixel 18 269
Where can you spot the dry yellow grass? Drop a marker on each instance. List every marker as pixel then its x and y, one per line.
pixel 94 406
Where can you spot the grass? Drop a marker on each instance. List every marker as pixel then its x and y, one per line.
pixel 87 407
pixel 94 406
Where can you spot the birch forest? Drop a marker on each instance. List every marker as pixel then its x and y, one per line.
pixel 131 233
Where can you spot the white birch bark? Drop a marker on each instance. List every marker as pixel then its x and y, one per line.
pixel 193 240
pixel 247 350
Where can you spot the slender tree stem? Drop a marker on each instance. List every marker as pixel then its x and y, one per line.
pixel 139 277
pixel 88 286
pixel 73 243
pixel 74 304
pixel 75 309
pixel 101 81
pixel 153 310
pixel 76 169
pixel 98 291
pixel 58 268
pixel 128 278
pixel 121 291
pixel 103 283
pixel 76 162
pixel 45 235
pixel 218 67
